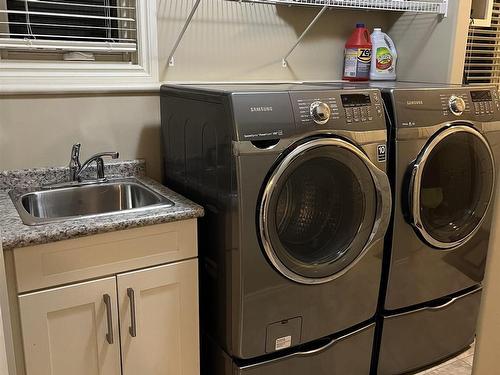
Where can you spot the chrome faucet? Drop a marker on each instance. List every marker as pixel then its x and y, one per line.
pixel 76 168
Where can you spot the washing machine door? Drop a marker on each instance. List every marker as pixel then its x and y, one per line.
pixel 451 186
pixel 322 207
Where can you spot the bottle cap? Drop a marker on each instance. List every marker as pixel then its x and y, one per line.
pixel 360 25
pixel 377 29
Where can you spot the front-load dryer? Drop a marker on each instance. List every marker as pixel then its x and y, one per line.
pixel 444 141
pixel 297 203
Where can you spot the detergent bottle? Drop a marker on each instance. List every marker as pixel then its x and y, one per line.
pixel 383 65
pixel 357 55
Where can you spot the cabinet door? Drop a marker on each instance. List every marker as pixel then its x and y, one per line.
pixel 159 320
pixel 72 330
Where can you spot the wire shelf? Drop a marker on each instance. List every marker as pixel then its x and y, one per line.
pixel 416 6
pixel 421 6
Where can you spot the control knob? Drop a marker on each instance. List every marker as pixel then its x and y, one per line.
pixel 320 112
pixel 456 105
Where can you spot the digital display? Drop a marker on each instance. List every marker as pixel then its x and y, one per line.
pixel 355 100
pixel 481 96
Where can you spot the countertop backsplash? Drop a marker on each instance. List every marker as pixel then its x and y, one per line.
pixel 51 175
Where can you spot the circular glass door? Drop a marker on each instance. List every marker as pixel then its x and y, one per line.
pixel 452 186
pixel 318 210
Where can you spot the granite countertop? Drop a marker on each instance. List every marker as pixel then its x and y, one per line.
pixel 16 234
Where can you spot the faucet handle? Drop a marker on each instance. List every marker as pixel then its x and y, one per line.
pixel 74 162
pixel 75 153
pixel 100 169
pixel 100 162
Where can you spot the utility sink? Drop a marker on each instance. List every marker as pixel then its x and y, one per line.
pixel 71 201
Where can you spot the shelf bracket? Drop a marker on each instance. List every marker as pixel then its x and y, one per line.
pixel 284 61
pixel 444 9
pixel 171 61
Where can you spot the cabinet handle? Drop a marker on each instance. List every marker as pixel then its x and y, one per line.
pixel 109 316
pixel 133 324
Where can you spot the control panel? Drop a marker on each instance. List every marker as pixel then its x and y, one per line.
pixel 320 112
pixel 474 102
pixel 357 107
pixel 428 107
pixel 350 109
pixel 455 104
pixel 315 108
pixel 482 101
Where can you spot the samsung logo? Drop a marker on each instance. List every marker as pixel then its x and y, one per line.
pixel 261 109
pixel 414 102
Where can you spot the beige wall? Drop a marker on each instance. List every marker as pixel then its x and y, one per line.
pixel 432 49
pixel 231 41
pixel 39 131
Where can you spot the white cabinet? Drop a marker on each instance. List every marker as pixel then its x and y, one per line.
pixel 65 324
pixel 72 330
pixel 76 329
pixel 159 320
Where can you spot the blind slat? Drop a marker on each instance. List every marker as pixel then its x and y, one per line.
pixel 488 33
pixel 492 44
pixel 478 71
pixel 76 4
pixel 485 38
pixel 468 57
pixel 65 37
pixel 66 25
pixel 66 15
pixel 472 66
pixel 48 45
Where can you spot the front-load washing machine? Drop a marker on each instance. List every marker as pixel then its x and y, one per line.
pixel 443 144
pixel 297 203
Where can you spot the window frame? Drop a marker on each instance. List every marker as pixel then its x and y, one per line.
pixel 485 12
pixel 481 64
pixel 46 76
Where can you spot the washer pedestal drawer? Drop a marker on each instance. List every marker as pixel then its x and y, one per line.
pixel 420 338
pixel 348 354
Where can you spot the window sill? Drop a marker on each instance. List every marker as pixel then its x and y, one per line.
pixel 46 77
pixel 49 77
pixel 55 89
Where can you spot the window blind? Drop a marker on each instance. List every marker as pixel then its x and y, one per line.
pixel 68 25
pixel 482 60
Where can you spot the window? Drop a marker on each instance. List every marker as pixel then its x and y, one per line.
pixel 482 61
pixel 77 41
pixel 106 27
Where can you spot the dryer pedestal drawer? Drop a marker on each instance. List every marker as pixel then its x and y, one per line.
pixel 348 354
pixel 419 338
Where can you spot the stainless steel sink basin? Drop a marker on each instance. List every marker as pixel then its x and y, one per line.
pixel 86 200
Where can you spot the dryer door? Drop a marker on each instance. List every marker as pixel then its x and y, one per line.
pixel 451 186
pixel 323 205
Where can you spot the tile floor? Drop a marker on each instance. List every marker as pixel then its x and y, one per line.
pixel 460 365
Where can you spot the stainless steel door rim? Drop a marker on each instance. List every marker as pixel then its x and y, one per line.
pixel 383 206
pixel 416 181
